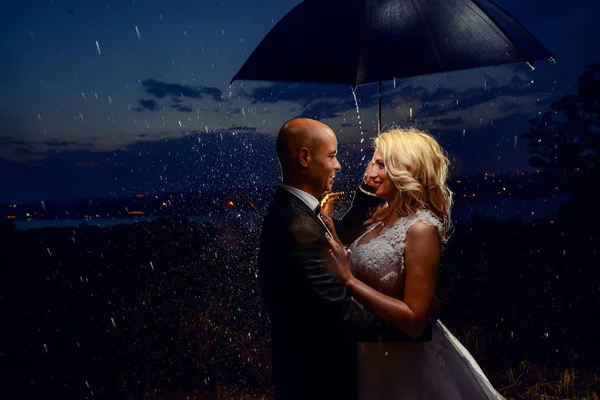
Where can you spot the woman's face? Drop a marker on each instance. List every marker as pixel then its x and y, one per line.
pixel 379 178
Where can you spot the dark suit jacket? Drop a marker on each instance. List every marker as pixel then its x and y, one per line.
pixel 315 323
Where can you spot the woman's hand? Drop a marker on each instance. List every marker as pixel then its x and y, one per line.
pixel 366 185
pixel 330 225
pixel 338 261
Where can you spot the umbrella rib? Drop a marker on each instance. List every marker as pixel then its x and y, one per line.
pixel 428 32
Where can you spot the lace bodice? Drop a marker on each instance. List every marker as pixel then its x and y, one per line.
pixel 380 261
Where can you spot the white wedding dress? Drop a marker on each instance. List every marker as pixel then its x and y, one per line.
pixel 442 369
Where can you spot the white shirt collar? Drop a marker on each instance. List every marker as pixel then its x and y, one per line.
pixel 306 198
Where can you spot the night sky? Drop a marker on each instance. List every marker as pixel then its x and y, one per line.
pixel 116 97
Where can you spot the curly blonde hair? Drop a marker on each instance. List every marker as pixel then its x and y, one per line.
pixel 418 167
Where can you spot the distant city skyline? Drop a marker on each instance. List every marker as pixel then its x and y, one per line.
pixel 106 98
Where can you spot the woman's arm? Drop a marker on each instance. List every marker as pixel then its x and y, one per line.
pixel 421 260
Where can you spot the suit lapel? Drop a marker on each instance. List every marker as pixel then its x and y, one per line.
pixel 297 203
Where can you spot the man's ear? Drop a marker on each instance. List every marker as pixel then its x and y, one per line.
pixel 304 157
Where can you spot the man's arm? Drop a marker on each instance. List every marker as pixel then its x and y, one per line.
pixel 350 226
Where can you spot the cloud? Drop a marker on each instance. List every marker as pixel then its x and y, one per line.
pixel 325 109
pixel 149 105
pixel 302 93
pixel 435 97
pixel 22 150
pixel 65 143
pixel 6 141
pixel 449 121
pixel 317 101
pixel 470 106
pixel 163 89
pixel 242 128
pixel 182 108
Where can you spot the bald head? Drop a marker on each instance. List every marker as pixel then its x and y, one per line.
pixel 297 134
pixel 307 151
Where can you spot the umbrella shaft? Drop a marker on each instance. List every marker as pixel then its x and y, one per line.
pixel 379 110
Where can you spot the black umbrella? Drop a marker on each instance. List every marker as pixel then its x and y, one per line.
pixel 356 42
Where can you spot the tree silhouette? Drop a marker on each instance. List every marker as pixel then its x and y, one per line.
pixel 565 140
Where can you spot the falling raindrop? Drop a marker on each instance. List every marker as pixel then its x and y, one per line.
pixel 357 114
pixel 98 47
pixel 137 32
pixel 516 139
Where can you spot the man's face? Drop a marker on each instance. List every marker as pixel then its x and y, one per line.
pixel 324 164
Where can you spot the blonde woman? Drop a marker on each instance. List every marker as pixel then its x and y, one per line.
pixel 392 270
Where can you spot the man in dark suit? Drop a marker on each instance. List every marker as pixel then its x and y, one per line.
pixel 315 323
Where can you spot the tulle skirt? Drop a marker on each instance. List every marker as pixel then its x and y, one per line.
pixel 441 369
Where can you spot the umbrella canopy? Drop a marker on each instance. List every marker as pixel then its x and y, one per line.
pixel 356 42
